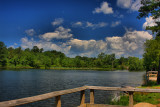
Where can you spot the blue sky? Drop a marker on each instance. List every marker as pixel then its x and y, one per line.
pixel 75 27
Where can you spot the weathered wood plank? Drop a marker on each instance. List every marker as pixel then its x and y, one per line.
pixel 110 88
pixel 152 72
pixel 123 89
pixel 39 97
pixel 82 97
pixel 91 96
pixel 58 101
pixel 59 93
pixel 130 99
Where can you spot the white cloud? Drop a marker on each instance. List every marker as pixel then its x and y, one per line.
pixel 77 24
pixel 150 22
pixel 136 5
pixel 130 44
pixel 97 25
pixel 59 33
pixel 30 32
pixel 46 45
pixel 133 5
pixel 90 25
pixel 116 23
pixel 124 3
pixel 104 8
pixel 57 21
pixel 87 47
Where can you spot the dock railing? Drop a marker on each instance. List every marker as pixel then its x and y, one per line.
pixel 58 94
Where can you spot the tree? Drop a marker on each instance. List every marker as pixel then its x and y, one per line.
pixel 152 54
pixel 41 50
pixel 3 54
pixel 35 49
pixel 151 7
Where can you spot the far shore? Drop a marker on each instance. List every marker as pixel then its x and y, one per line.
pixel 66 68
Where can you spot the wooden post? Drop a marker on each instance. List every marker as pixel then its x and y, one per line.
pixel 130 99
pixel 58 101
pixel 82 97
pixel 91 96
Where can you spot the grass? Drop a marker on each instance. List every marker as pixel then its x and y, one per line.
pixel 153 98
pixel 150 84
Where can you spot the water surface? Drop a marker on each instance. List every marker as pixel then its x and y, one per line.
pixel 16 84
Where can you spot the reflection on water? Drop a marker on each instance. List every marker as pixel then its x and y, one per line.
pixel 16 84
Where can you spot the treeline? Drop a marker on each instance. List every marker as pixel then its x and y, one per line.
pixel 38 58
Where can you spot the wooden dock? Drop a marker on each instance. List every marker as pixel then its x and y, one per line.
pixel 151 75
pixel 58 94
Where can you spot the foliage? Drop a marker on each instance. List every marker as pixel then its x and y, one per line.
pixel 150 83
pixel 151 8
pixel 152 54
pixel 36 58
pixel 3 54
pixel 152 48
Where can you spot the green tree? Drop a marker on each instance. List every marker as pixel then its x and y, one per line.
pixel 3 54
pixel 152 54
pixel 152 8
pixel 35 49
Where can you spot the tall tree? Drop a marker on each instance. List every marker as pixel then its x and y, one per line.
pixel 151 8
pixel 3 54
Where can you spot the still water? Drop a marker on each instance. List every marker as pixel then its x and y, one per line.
pixel 22 83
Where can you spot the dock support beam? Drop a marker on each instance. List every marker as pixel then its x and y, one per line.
pixel 58 101
pixel 91 96
pixel 130 99
pixel 82 97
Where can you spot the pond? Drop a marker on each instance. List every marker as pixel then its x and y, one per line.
pixel 22 83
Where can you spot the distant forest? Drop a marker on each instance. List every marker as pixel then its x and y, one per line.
pixel 38 58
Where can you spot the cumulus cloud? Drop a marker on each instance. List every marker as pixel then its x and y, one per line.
pixel 133 5
pixel 46 45
pixel 150 22
pixel 104 8
pixel 85 46
pixel 57 21
pixel 59 33
pixel 30 32
pixel 116 23
pixel 130 44
pixel 26 43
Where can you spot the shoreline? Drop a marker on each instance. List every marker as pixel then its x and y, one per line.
pixel 68 68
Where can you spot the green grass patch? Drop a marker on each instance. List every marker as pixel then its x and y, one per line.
pixel 138 97
pixel 150 83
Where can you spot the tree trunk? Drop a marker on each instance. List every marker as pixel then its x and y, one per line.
pixel 158 75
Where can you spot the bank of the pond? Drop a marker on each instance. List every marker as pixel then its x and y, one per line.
pixel 67 68
pixel 152 98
